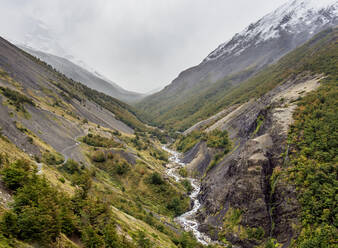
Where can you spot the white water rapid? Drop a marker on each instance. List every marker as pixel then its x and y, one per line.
pixel 187 220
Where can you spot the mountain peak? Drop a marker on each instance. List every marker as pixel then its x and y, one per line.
pixel 293 17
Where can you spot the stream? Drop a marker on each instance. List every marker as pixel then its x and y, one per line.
pixel 188 219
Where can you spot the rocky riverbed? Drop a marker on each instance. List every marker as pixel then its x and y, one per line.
pixel 187 220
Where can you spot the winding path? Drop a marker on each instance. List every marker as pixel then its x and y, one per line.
pixel 69 148
pixel 187 220
pixel 63 152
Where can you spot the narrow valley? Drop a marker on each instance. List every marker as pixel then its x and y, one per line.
pixel 239 151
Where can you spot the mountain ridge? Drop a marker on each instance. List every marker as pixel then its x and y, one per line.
pixel 181 101
pixel 260 190
pixel 90 78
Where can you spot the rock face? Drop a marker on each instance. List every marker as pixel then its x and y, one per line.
pixel 198 158
pixel 242 180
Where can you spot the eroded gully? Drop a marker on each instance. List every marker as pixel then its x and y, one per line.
pixel 187 220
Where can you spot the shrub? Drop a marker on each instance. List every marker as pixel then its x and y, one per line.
pixel 71 167
pixel 117 133
pixel 99 141
pixel 142 241
pixel 16 174
pixel 183 172
pixel 255 233
pixel 175 205
pixel 185 143
pixel 16 98
pixel 155 178
pixel 35 216
pixel 218 139
pixel 121 168
pixel 215 161
pixel 187 185
pixel 98 156
pixel 52 158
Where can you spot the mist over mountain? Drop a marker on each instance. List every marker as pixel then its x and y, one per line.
pixel 238 151
pixel 87 76
pixel 259 45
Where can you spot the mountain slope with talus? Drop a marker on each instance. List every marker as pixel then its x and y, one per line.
pixel 77 168
pixel 186 100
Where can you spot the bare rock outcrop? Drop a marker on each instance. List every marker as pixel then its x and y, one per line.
pixel 241 182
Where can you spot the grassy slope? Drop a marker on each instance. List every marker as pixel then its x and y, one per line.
pixel 97 194
pixel 136 201
pixel 202 104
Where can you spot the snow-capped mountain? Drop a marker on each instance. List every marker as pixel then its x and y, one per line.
pixel 293 17
pixel 248 52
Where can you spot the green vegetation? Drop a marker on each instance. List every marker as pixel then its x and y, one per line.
pixel 181 112
pixel 38 213
pixel 215 139
pixel 99 141
pixel 259 123
pixel 70 167
pixel 216 159
pixel 255 233
pixel 231 224
pixel 15 175
pixel 183 172
pixel 52 158
pixel 187 185
pixel 158 154
pixel 113 163
pixel 185 143
pixel 98 156
pixel 174 203
pixel 41 215
pixel 219 139
pixel 16 99
pixel 313 165
pixel 156 179
pixel 146 186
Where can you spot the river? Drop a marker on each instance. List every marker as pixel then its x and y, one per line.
pixel 187 220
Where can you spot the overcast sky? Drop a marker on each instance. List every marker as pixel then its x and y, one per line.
pixel 139 44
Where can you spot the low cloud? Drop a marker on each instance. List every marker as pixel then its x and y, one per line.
pixel 141 45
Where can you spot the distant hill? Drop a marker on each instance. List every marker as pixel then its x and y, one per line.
pixel 89 78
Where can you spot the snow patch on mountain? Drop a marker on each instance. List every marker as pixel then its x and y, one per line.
pixel 294 17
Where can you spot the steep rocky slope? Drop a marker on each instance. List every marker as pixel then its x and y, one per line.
pixel 77 168
pixel 243 202
pixel 241 180
pixel 90 79
pixel 55 104
pixel 184 101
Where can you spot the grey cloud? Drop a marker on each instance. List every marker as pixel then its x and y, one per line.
pixel 139 44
